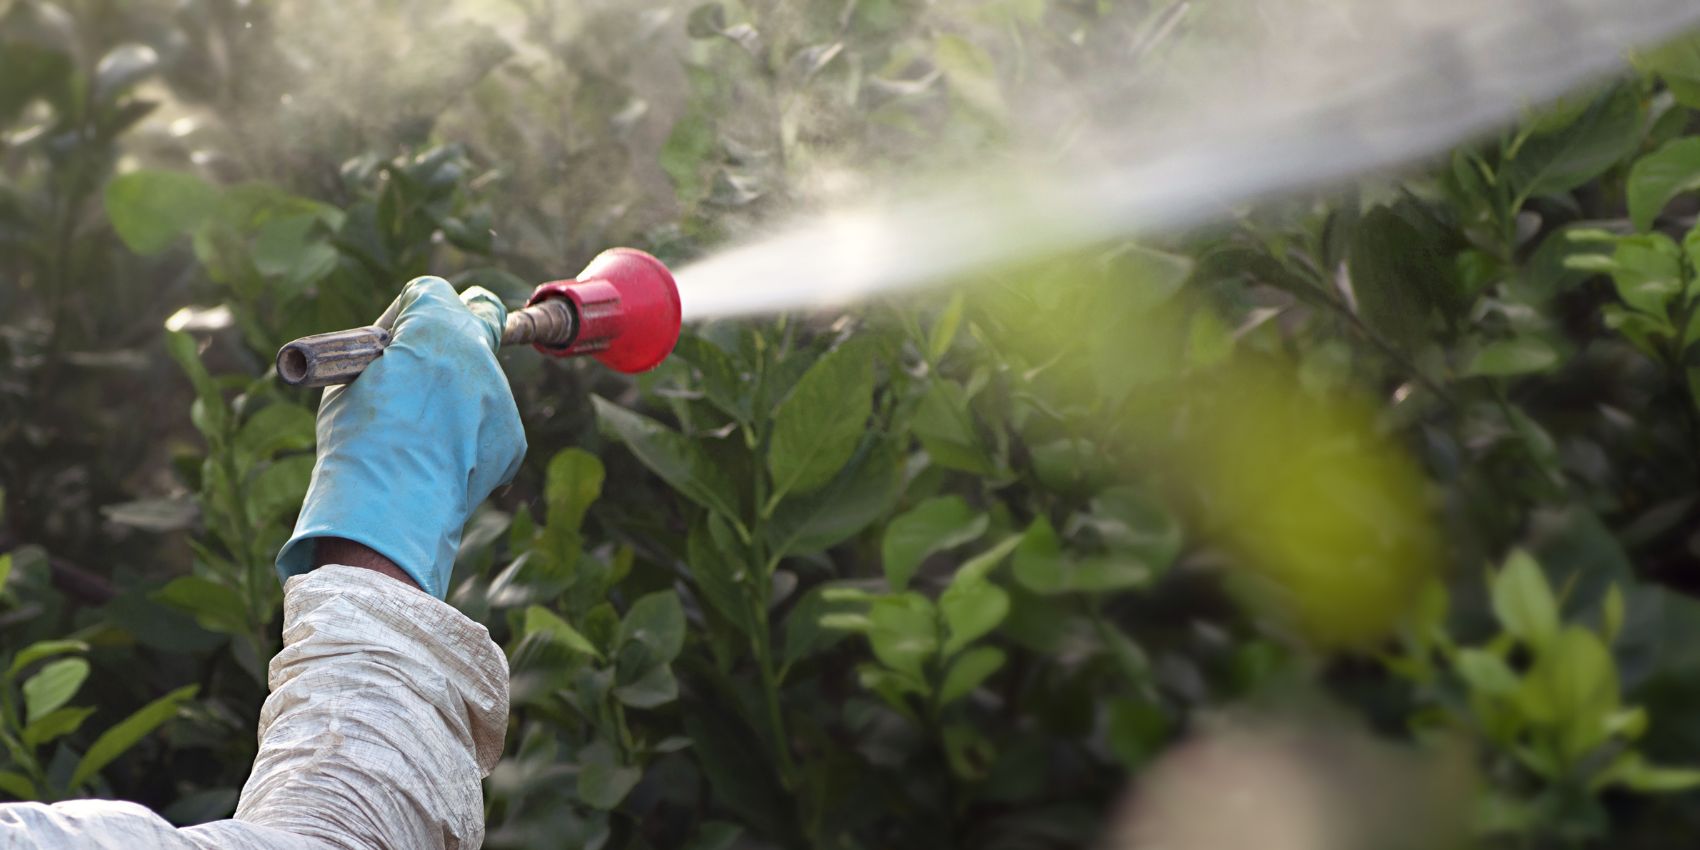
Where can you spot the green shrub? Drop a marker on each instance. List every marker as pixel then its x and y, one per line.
pixel 945 572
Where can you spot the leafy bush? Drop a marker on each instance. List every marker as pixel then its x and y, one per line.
pixel 1421 454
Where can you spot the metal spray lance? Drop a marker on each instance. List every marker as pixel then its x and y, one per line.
pixel 623 309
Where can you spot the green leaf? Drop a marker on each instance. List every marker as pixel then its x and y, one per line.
pixel 1069 465
pixel 1678 64
pixel 1656 180
pixel 1611 613
pixel 40 650
pixel 602 781
pixel 1548 270
pixel 1646 270
pixel 1523 601
pixel 1572 690
pixel 1556 162
pixel 944 328
pixel 864 491
pixel 1394 272
pixel 1486 673
pixel 276 428
pixel 151 209
pixel 691 143
pixel 18 785
pixel 1631 770
pixel 5 561
pixel 1629 723
pixel 944 424
pixel 669 454
pixel 903 632
pixel 115 741
pixel 601 626
pixel 53 686
pixel 541 620
pixel 806 627
pixel 54 724
pixel 1041 566
pixel 721 381
pixel 1645 332
pixel 654 688
pixel 559 547
pixel 968 672
pixel 573 483
pixel 658 622
pixel 1517 356
pixel 216 607
pixel 818 426
pixel 721 580
pixel 970 610
pixel 278 491
pixel 1131 520
pixel 932 526
pixel 978 567
pixel 292 250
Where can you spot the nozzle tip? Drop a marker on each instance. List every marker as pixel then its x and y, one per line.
pixel 292 365
pixel 628 308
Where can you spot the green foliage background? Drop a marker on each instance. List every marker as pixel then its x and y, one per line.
pixel 931 573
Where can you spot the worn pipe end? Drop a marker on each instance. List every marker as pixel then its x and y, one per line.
pixel 292 365
pixel 325 360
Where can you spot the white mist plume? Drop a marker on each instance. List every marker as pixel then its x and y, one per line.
pixel 1306 93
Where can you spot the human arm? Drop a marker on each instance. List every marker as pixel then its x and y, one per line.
pixel 387 705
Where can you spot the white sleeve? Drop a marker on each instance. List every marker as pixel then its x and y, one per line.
pixel 387 708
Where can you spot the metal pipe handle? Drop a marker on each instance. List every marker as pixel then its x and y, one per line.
pixel 338 357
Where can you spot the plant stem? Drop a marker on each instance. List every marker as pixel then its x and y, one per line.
pixel 775 717
pixel 1391 352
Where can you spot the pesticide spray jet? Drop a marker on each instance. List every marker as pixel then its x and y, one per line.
pixel 1306 93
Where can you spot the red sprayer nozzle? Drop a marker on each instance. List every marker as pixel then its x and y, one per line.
pixel 623 308
pixel 627 308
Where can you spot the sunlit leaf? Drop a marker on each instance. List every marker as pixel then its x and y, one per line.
pixel 932 526
pixel 1656 180
pixel 115 741
pixel 1518 356
pixel 903 632
pixel 54 724
pixel 151 209
pixel 540 620
pixel 53 686
pixel 215 606
pixel 658 622
pixel 970 610
pixel 1559 161
pixel 818 426
pixel 1523 601
pixel 968 671
pixel 41 650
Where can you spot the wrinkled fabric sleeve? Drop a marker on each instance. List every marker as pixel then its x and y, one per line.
pixel 387 708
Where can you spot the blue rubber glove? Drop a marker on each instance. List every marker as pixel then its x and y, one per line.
pixel 412 446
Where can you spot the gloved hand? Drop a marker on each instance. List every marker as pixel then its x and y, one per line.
pixel 408 450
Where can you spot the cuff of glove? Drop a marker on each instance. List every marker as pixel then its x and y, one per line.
pixel 400 546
